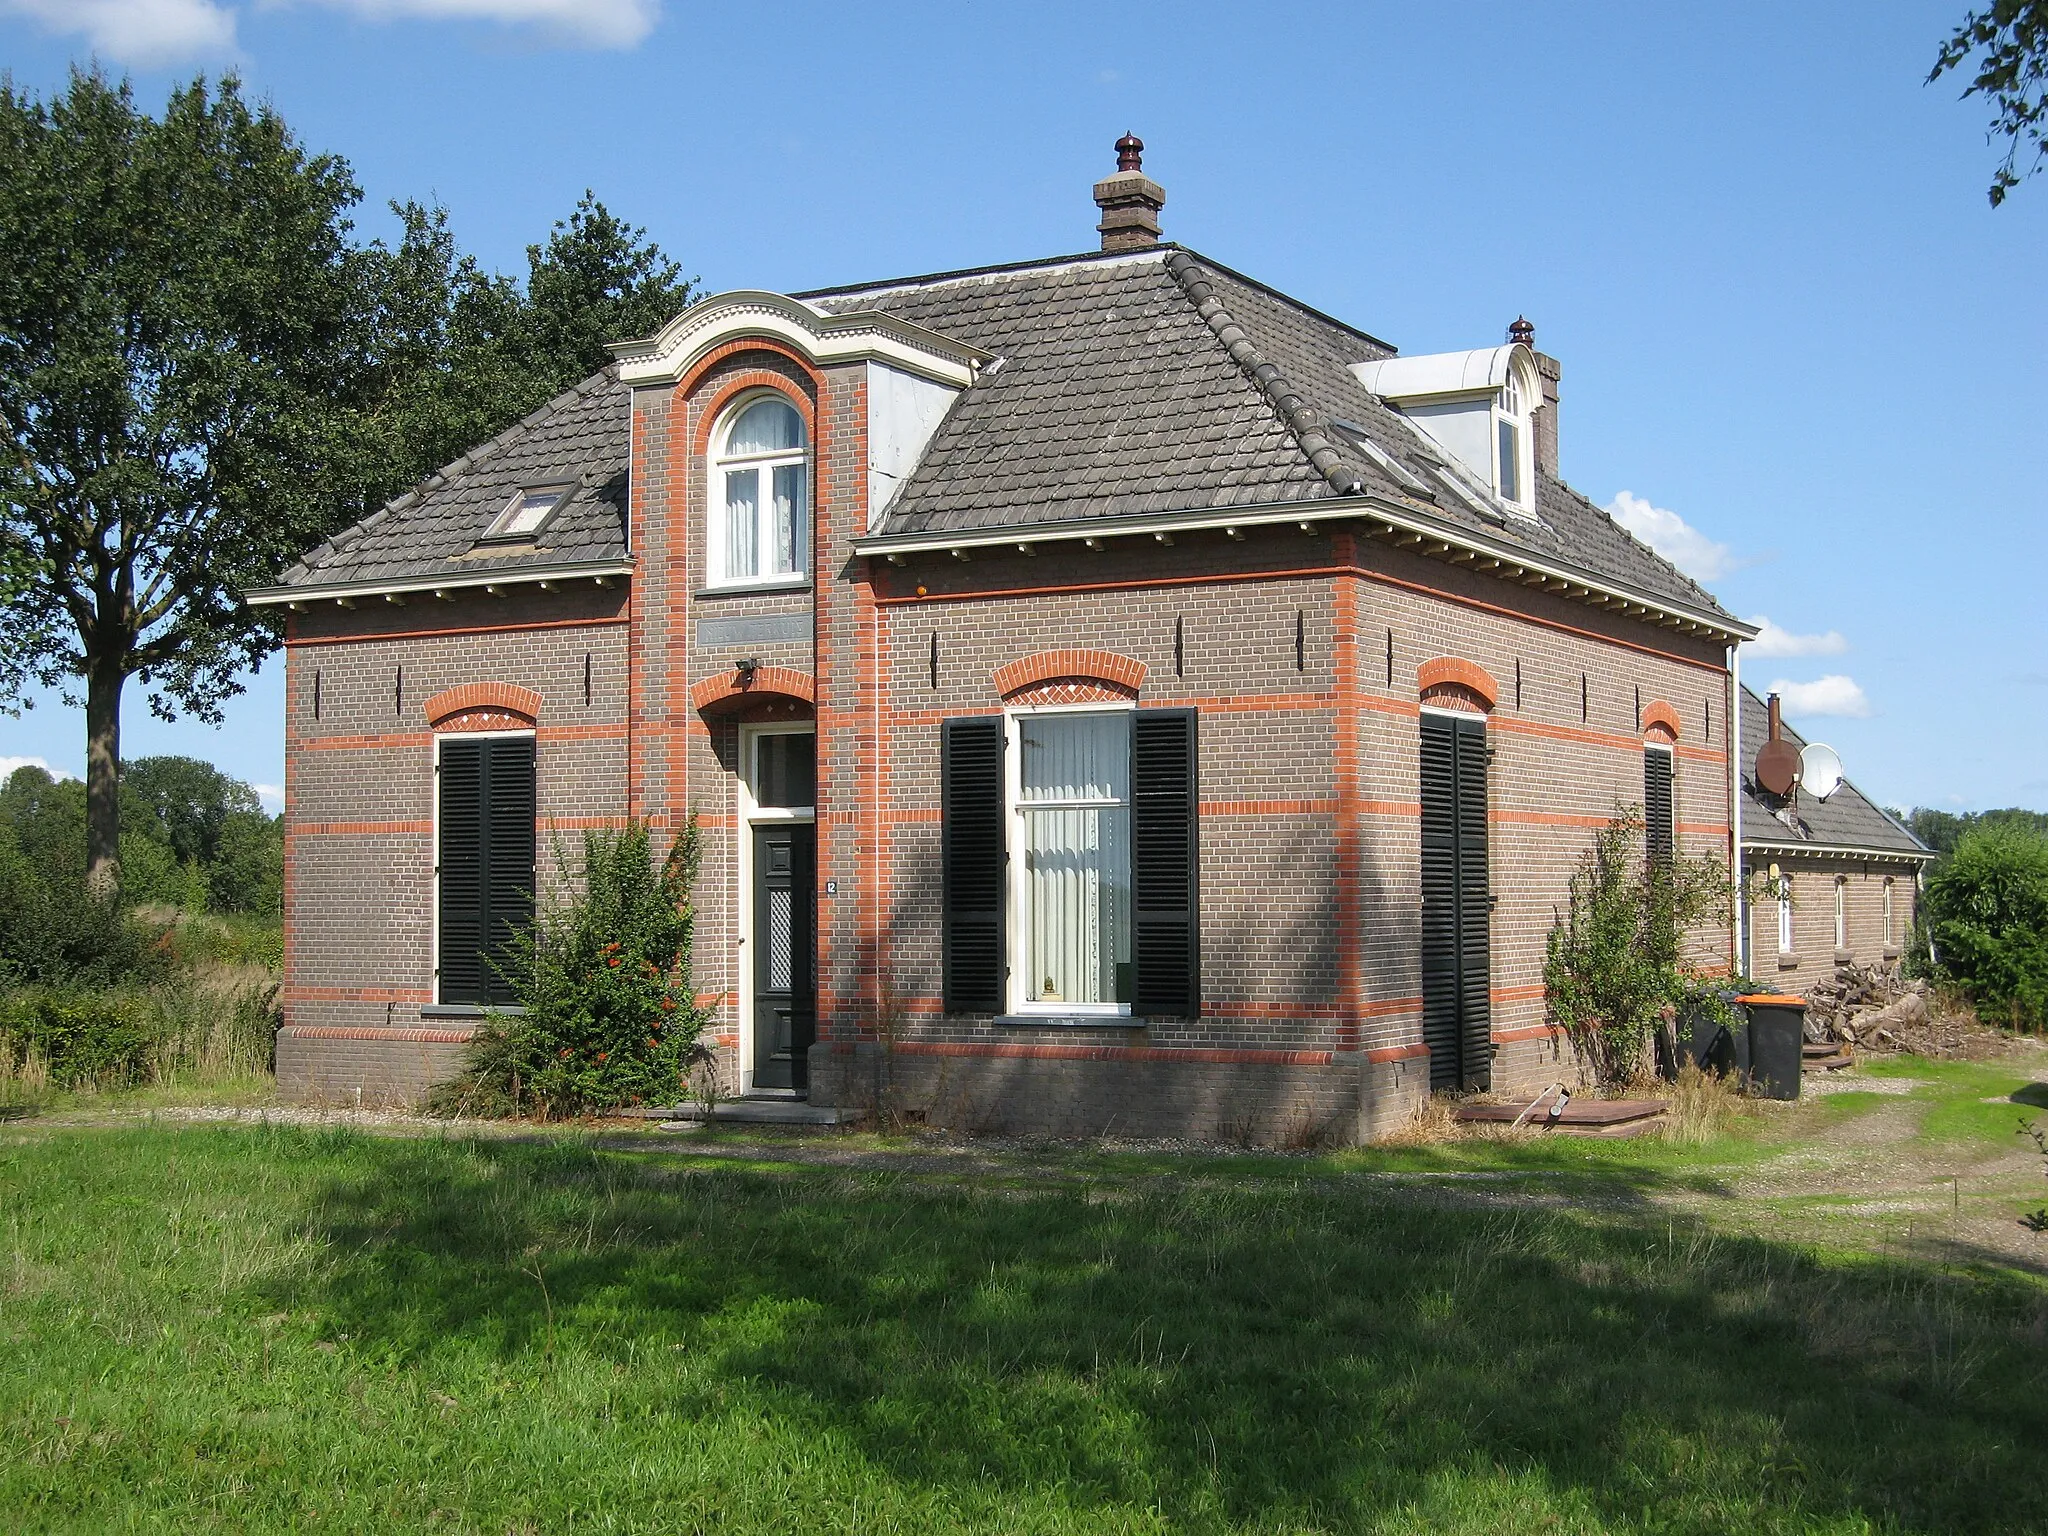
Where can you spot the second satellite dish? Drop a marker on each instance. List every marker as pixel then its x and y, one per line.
pixel 1820 770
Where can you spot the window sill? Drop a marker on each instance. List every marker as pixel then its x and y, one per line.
pixel 1845 957
pixel 1068 1021
pixel 1787 962
pixel 464 1010
pixel 1891 951
pixel 757 588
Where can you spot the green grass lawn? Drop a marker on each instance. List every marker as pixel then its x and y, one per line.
pixel 283 1329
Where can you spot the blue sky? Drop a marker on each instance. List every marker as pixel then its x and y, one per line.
pixel 1793 332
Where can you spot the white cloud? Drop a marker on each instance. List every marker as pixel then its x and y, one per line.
pixel 271 796
pixel 1830 695
pixel 577 23
pixel 1773 640
pixel 9 764
pixel 142 33
pixel 1672 537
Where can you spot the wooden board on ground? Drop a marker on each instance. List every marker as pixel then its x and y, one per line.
pixel 1579 1112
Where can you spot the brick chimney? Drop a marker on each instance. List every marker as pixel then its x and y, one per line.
pixel 1130 201
pixel 1544 418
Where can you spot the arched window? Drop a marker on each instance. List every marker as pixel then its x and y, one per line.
pixel 1841 911
pixel 761 494
pixel 1890 933
pixel 1784 914
pixel 1514 448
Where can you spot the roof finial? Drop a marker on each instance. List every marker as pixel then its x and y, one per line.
pixel 1130 153
pixel 1522 331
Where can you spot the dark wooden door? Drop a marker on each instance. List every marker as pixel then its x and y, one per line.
pixel 1457 951
pixel 785 977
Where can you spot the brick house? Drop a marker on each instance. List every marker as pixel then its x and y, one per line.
pixel 1115 697
pixel 1848 875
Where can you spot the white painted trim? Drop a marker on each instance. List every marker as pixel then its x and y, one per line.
pixel 751 815
pixel 809 331
pixel 515 576
pixel 1016 915
pixel 1332 510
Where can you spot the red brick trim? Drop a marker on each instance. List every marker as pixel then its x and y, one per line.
pixel 722 688
pixel 1397 1053
pixel 474 698
pixel 1197 1055
pixel 1660 722
pixel 1458 680
pixel 1534 1032
pixel 1059 666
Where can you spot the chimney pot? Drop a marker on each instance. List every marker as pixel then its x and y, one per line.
pixel 1130 201
pixel 1522 331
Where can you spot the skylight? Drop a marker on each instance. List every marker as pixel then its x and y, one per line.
pixel 529 508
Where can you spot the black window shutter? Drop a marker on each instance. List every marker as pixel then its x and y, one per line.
pixel 1457 1011
pixel 1659 835
pixel 1475 907
pixel 486 862
pixel 1166 864
pixel 462 871
pixel 508 855
pixel 974 863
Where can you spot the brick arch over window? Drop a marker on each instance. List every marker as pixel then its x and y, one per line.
pixel 483 707
pixel 1070 677
pixel 1660 722
pixel 1451 683
pixel 724 690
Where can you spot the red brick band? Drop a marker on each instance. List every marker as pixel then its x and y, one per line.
pixel 353 1032
pixel 1068 666
pixel 1198 1055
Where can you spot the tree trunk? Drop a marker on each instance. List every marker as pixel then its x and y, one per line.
pixel 103 779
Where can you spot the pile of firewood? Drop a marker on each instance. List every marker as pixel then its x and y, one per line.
pixel 1874 1008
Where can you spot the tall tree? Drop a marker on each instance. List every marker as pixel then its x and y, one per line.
pixel 2007 45
pixel 182 317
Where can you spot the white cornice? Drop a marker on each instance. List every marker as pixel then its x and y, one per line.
pixel 862 335
pixel 1792 847
pixel 1401 526
pixel 603 572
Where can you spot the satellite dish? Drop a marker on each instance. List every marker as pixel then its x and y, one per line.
pixel 1820 770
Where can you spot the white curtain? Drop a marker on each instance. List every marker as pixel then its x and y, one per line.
pixel 789 504
pixel 1075 795
pixel 742 522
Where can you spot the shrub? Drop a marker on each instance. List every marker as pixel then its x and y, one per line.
pixel 53 931
pixel 1987 912
pixel 1615 959
pixel 603 977
pixel 84 1038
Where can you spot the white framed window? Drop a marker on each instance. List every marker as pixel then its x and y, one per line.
pixel 779 768
pixel 1890 933
pixel 528 512
pixel 1841 912
pixel 1070 860
pixel 1784 914
pixel 1514 451
pixel 760 494
pixel 1742 923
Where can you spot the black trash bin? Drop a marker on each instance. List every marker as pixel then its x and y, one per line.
pixel 1777 1039
pixel 1716 1047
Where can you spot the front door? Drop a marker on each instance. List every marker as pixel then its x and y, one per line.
pixel 785 991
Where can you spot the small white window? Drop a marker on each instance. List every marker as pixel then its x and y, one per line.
pixel 1742 916
pixel 1072 854
pixel 1784 914
pixel 1841 912
pixel 760 490
pixel 527 511
pixel 1890 939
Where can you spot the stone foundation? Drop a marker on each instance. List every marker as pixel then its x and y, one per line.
pixel 364 1067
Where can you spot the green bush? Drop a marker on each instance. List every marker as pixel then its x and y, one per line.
pixel 85 1038
pixel 1615 958
pixel 52 930
pixel 1987 920
pixel 610 1016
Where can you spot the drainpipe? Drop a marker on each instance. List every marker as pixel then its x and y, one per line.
pixel 1735 801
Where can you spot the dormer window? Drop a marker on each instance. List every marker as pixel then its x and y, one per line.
pixel 528 510
pixel 1513 445
pixel 760 494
